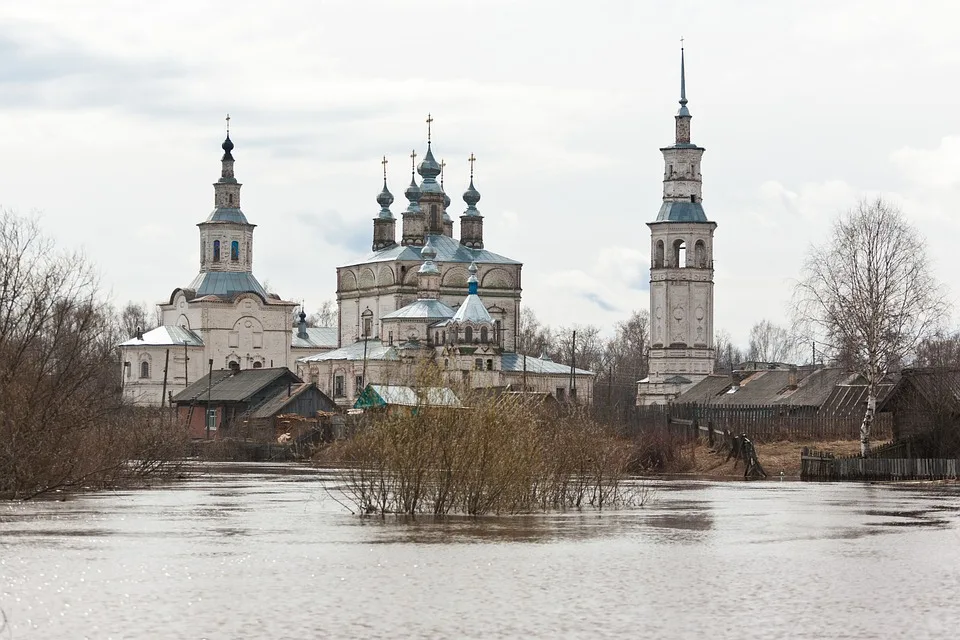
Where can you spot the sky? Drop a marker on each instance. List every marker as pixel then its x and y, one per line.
pixel 112 115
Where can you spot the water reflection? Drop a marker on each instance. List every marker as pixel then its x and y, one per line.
pixel 251 551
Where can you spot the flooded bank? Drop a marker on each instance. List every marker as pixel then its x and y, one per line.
pixel 247 551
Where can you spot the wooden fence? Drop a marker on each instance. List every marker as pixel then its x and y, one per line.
pixel 820 465
pixel 761 423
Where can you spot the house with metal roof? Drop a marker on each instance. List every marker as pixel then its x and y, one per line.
pixel 224 318
pixel 414 399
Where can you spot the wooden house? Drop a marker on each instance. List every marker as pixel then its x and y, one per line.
pixel 247 404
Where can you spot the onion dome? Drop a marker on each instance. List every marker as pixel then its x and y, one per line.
pixel 413 194
pixel 446 201
pixel 471 196
pixel 227 147
pixel 429 254
pixel 429 169
pixel 385 199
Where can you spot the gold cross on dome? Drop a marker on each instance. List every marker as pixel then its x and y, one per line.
pixel 429 127
pixel 471 160
pixel 384 163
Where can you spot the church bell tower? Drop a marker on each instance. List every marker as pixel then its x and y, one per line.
pixel 681 272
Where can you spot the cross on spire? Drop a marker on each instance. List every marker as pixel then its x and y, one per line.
pixel 429 127
pixel 471 160
pixel 413 161
pixel 228 124
pixel 443 163
pixel 384 163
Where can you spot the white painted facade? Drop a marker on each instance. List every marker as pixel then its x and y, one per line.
pixel 681 274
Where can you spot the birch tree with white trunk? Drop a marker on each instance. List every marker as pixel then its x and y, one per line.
pixel 870 291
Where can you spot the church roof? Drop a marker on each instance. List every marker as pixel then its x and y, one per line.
pixel 682 212
pixel 166 335
pixel 472 310
pixel 375 351
pixel 448 250
pixel 317 338
pixel 514 362
pixel 227 214
pixel 226 284
pixel 427 309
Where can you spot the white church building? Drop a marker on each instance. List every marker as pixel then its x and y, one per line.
pixel 223 319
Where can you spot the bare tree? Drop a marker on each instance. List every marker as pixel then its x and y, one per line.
pixel 138 315
pixel 325 316
pixel 728 355
pixel 771 343
pixel 624 362
pixel 870 291
pixel 534 338
pixel 941 351
pixel 60 423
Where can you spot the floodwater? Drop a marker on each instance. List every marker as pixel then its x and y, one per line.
pixel 241 551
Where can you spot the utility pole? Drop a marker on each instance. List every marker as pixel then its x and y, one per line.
pixel 573 366
pixel 166 366
pixel 209 390
pixel 186 358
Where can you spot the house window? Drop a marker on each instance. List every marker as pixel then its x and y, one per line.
pixel 216 251
pixel 560 393
pixel 390 337
pixel 235 251
pixel 257 365
pixel 446 363
pixel 489 364
pixel 497 327
pixel 367 327
pixel 234 366
pixel 468 335
pixel 359 384
pixel 338 386
pixel 126 369
pixel 144 369
pixel 233 339
pixel 444 334
pixel 483 334
pixel 257 340
pixel 478 364
pixel 231 199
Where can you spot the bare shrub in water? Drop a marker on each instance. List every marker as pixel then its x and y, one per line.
pixel 61 420
pixel 498 455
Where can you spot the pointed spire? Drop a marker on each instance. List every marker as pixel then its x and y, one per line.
pixel 683 85
pixel 385 199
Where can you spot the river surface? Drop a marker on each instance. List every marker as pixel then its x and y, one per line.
pixel 242 551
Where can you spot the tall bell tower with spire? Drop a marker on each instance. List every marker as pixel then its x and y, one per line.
pixel 681 271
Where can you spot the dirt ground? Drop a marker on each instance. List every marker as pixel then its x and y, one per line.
pixel 774 457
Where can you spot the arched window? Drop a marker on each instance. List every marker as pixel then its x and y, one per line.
pixel 231 199
pixel 700 253
pixel 234 366
pixel 468 335
pixel 144 369
pixel 658 255
pixel 434 218
pixel 483 334
pixel 489 364
pixel 216 251
pixel 679 254
pixel 257 365
pixel 444 334
pixel 497 327
pixel 235 251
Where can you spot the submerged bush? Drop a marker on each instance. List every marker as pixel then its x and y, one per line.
pixel 61 420
pixel 499 455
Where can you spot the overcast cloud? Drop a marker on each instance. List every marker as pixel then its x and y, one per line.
pixel 112 113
